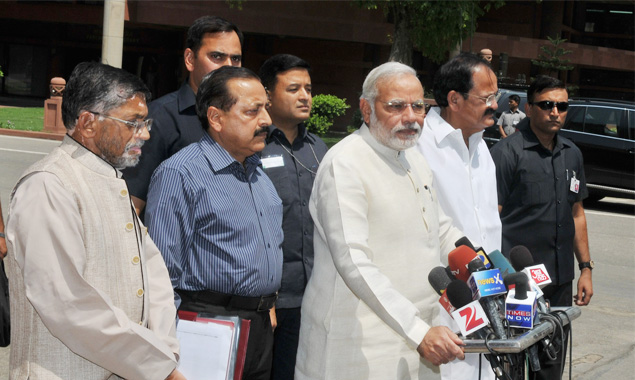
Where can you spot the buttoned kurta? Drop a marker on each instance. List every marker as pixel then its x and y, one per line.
pixel 379 230
pixel 90 294
pixel 465 179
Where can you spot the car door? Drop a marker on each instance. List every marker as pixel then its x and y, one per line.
pixel 598 131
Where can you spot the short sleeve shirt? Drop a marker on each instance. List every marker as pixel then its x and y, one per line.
pixel 537 189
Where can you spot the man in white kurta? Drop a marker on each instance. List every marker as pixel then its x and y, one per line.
pixel 464 172
pixel 368 309
pixel 91 298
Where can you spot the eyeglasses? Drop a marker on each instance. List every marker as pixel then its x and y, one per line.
pixel 137 125
pixel 489 100
pixel 398 106
pixel 547 105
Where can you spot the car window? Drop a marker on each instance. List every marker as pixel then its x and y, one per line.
pixel 602 120
pixel 631 125
pixel 575 118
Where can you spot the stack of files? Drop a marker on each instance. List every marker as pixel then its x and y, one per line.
pixel 212 347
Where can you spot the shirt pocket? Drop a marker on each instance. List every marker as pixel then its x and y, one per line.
pixel 535 191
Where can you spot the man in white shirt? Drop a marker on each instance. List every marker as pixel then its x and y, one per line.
pixel 368 312
pixel 464 174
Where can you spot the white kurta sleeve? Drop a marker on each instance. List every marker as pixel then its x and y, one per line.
pixel 45 231
pixel 340 210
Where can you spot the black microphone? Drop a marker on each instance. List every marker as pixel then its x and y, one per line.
pixel 460 295
pixel 521 259
pixel 439 280
pixel 491 309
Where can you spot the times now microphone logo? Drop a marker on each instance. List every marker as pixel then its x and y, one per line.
pixel 539 274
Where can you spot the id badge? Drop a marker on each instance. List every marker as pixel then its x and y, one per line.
pixel 575 185
pixel 272 162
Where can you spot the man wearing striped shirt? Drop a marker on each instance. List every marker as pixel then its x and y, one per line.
pixel 216 216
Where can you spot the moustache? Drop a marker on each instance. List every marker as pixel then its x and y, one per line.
pixel 260 131
pixel 489 111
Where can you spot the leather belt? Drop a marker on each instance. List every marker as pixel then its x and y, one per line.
pixel 263 303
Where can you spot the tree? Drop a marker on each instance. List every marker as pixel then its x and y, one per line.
pixel 552 57
pixel 433 27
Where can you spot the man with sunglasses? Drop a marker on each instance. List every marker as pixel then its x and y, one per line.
pixel 91 297
pixel 541 185
pixel 465 89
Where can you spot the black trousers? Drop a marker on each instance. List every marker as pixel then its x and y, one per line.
pixel 260 342
pixel 285 343
pixel 561 295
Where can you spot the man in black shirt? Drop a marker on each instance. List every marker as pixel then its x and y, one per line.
pixel 541 185
pixel 291 159
pixel 212 42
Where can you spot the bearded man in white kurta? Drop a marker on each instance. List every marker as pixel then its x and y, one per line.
pixel 368 310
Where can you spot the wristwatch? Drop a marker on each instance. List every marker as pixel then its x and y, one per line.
pixel 589 264
pixel 2 235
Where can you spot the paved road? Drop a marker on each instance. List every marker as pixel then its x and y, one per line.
pixel 603 337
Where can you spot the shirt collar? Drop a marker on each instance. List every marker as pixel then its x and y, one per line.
pixel 383 150
pixel 531 140
pixel 88 158
pixel 219 158
pixel 186 97
pixel 274 131
pixel 441 129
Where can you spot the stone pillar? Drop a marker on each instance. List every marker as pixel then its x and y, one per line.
pixel 53 107
pixel 112 39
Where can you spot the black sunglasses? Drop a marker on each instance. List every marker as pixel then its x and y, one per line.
pixel 548 105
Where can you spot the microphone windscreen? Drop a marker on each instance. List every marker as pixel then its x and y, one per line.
pixel 520 257
pixel 439 279
pixel 499 261
pixel 448 270
pixel 522 286
pixel 464 241
pixel 515 278
pixel 476 265
pixel 459 293
pixel 458 260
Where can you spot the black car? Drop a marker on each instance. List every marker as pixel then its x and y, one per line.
pixel 604 130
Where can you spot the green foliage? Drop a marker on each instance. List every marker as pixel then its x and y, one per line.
pixel 434 27
pixel 356 121
pixel 324 111
pixel 1 73
pixel 25 119
pixel 552 57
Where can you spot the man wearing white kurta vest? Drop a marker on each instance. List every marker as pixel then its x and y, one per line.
pixel 91 298
pixel 368 311
pixel 464 172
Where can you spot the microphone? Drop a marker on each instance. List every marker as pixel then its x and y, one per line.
pixel 499 261
pixel 439 280
pixel 520 311
pixel 485 284
pixel 480 252
pixel 471 318
pixel 523 261
pixel 520 305
pixel 458 259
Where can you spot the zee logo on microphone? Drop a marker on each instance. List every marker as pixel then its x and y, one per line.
pixel 470 318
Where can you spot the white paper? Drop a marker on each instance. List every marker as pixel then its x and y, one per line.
pixel 205 349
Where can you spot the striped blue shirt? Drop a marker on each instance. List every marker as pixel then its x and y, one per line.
pixel 218 224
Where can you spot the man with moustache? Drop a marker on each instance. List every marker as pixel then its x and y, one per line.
pixel 366 313
pixel 216 216
pixel 90 293
pixel 212 42
pixel 465 89
pixel 291 159
pixel 541 186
